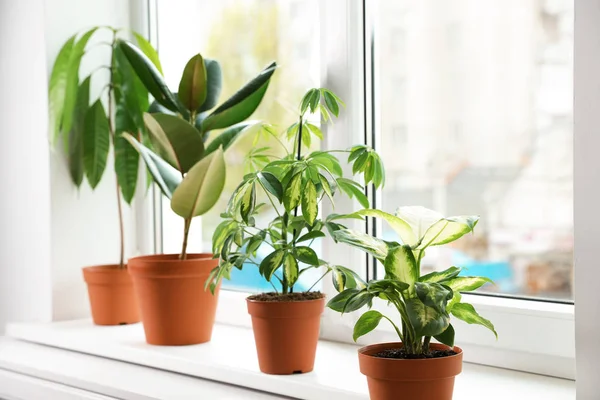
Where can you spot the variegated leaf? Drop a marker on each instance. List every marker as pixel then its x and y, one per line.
pixel 427 321
pixel 376 247
pixel 467 313
pixel 400 264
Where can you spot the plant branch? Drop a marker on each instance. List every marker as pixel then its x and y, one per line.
pixel 318 280
pixel 186 231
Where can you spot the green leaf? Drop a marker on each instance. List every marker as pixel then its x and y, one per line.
pixel 315 130
pixel 229 135
pixel 96 143
pixel 214 82
pixel 310 236
pixel 446 337
pixel 201 187
pixel 433 295
pixel 242 104
pixel 292 192
pixel 375 247
pixel 164 175
pixel 448 230
pixel 76 166
pixel 193 84
pixel 271 184
pixel 353 191
pixel 150 76
pixel 427 321
pixel 352 278
pixel 366 323
pixel 441 276
pixel 455 300
pixel 148 50
pixel 358 301
pixel 176 140
pixel 222 232
pixel 306 255
pixel 248 201
pixel 313 102
pixel 338 302
pixel 400 264
pixel 329 162
pixel 306 100
pixel 290 269
pixel 270 263
pixel 72 83
pixel 332 104
pixel 310 208
pixel 255 242
pixel 339 279
pixel 127 161
pixel 57 86
pixel 467 283
pixel 398 225
pixel 467 313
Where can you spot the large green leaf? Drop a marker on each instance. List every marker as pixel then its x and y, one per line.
pixel 293 192
pixel 290 269
pixel 427 321
pixel 131 96
pixel 446 337
pixel 150 76
pixel 441 276
pixel 127 161
pixel 193 85
pixel 433 295
pixel 310 208
pixel 76 167
pixel 96 143
pixel 242 104
pixel 376 247
pixel 467 283
pixel 229 135
pixel 398 225
pixel 148 50
pixel 366 323
pixel 57 87
pixel 178 141
pixel 214 83
pixel 271 184
pixel 467 313
pixel 306 255
pixel 338 302
pixel 164 175
pixel 201 188
pixel 400 264
pixel 448 230
pixel 72 83
pixel 270 263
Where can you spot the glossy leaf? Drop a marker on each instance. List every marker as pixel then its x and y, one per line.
pixel 164 175
pixel 398 225
pixel 214 83
pixel 338 302
pixel 193 85
pixel 467 283
pixel 127 161
pixel 222 232
pixel 446 337
pixel 441 276
pixel 228 137
pixel 148 50
pixel 270 263
pixel 130 95
pixel 201 187
pixel 426 321
pixel 290 269
pixel 242 104
pixel 375 247
pixel 433 295
pixel 310 207
pixel 271 184
pixel 306 255
pixel 76 166
pixel 178 141
pixel 96 143
pixel 400 264
pixel 353 191
pixel 57 86
pixel 248 202
pixel 466 312
pixel 331 103
pixel 358 301
pixel 293 192
pixel 310 236
pixel 448 230
pixel 366 323
pixel 339 279
pixel 150 76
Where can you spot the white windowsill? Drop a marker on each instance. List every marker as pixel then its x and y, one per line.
pixel 230 358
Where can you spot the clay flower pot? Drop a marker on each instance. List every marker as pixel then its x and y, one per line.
pixel 286 334
pixel 112 298
pixel 176 310
pixel 420 379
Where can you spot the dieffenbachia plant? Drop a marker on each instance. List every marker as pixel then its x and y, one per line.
pixel 424 302
pixel 189 170
pixel 296 182
pixel 85 126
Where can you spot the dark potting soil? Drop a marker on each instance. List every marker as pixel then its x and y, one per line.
pixel 302 296
pixel 401 354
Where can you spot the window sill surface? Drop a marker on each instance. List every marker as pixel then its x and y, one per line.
pixel 231 358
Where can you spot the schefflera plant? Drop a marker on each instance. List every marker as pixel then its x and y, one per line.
pixel 424 302
pixel 296 182
pixel 189 170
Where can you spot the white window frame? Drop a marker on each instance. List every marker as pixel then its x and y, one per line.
pixel 534 336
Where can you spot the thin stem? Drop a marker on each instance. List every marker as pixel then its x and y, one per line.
pixel 426 344
pixel 186 231
pixel 269 196
pixel 318 280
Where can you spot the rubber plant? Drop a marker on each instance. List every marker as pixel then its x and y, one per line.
pixel 88 130
pixel 295 186
pixel 190 171
pixel 423 303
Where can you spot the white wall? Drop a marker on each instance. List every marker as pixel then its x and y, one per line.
pixel 24 175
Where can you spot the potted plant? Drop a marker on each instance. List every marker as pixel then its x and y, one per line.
pixel 88 132
pixel 286 321
pixel 191 173
pixel 415 367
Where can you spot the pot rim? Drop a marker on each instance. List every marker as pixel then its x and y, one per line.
pixel 104 268
pixel 173 257
pixel 249 300
pixel 387 345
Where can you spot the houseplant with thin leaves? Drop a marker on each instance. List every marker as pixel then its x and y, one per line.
pixel 294 186
pixel 420 306
pixel 190 171
pixel 89 130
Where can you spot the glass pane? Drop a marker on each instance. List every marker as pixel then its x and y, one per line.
pixel 476 117
pixel 244 36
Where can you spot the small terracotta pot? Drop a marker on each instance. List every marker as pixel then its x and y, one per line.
pixel 286 334
pixel 112 298
pixel 421 379
pixel 176 310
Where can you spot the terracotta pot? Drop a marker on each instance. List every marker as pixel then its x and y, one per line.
pixel 112 298
pixel 286 334
pixel 421 379
pixel 176 310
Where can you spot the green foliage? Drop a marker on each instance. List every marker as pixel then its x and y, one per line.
pixel 295 187
pixel 424 302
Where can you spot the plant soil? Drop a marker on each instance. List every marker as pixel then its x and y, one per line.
pixel 403 355
pixel 271 296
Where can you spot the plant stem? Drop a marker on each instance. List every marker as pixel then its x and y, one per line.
pixel 318 280
pixel 426 344
pixel 186 231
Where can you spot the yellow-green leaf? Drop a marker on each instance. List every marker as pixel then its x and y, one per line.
pixel 57 86
pixel 292 192
pixel 310 208
pixel 192 87
pixel 148 50
pixel 290 269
